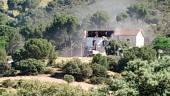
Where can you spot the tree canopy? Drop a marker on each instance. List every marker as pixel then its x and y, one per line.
pixel 100 19
pixel 35 48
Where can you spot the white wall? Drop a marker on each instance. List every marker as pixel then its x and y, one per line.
pixel 140 40
pixel 89 41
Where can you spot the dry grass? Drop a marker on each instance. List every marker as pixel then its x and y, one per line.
pixel 62 60
pixel 47 78
pixel 44 3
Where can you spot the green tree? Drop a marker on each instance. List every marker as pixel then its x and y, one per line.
pixel 35 48
pixel 62 29
pixel 122 16
pixel 14 43
pixel 142 78
pixel 150 78
pixel 158 10
pixel 7 34
pixel 99 19
pixel 138 11
pixel 144 53
pixel 30 66
pixel 162 43
pixel 38 48
pixel 116 46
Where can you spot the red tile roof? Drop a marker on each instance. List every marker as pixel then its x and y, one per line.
pixel 127 32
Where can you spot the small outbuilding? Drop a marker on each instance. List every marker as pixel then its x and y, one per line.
pixel 134 36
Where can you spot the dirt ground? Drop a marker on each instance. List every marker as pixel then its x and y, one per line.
pixel 47 78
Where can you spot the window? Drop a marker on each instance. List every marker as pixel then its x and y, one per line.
pixel 128 40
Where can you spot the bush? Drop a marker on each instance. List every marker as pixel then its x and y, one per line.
pixel 37 49
pixel 30 66
pixel 8 92
pixel 49 70
pixel 86 71
pixel 69 78
pixel 97 80
pixel 144 53
pixel 78 70
pixel 8 83
pixel 99 59
pixel 121 65
pixel 113 62
pixel 4 68
pixel 11 72
pixel 72 68
pixel 99 71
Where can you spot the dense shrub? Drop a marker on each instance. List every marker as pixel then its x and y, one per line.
pixel 78 70
pixel 122 63
pixel 11 72
pixel 37 49
pixel 30 66
pixel 72 68
pixel 142 78
pixel 113 62
pixel 114 46
pixel 144 53
pixel 49 70
pixel 99 70
pixel 69 78
pixel 99 59
pixel 97 80
pixel 86 71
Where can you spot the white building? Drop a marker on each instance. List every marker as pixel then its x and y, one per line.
pixel 134 36
pixel 96 40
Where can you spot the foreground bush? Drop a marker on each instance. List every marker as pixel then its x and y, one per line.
pixel 72 68
pixel 99 59
pixel 8 92
pixel 99 70
pixel 30 66
pixel 144 53
pixel 78 70
pixel 49 70
pixel 113 62
pixel 69 78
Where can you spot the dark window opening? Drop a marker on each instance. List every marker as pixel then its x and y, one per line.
pixel 128 40
pixel 100 33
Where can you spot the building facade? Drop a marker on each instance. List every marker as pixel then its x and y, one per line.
pixel 96 40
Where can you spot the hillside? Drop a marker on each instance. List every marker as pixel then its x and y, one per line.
pixel 84 48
